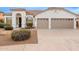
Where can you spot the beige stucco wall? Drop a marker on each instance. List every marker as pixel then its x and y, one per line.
pixel 9 20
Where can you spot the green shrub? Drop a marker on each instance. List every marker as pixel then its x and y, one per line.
pixel 20 35
pixel 7 27
pixel 29 23
pixel 28 27
pixel 2 25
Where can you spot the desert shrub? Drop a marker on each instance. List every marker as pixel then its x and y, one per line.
pixel 1 21
pixel 29 23
pixel 2 25
pixel 28 27
pixel 8 27
pixel 20 35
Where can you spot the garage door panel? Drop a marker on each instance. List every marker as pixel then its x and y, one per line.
pixel 42 23
pixel 61 23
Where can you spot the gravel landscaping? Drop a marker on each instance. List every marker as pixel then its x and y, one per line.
pixel 5 38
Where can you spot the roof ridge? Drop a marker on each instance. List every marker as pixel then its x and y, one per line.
pixel 55 7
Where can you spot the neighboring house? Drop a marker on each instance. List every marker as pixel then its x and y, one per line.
pixel 1 15
pixel 52 18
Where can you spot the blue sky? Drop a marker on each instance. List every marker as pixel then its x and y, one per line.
pixel 7 9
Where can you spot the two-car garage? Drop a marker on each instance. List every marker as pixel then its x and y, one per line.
pixel 56 18
pixel 61 23
pixel 56 23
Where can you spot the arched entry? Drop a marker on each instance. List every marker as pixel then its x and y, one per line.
pixel 18 20
pixel 29 19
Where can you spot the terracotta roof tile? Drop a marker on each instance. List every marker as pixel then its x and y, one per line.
pixel 34 12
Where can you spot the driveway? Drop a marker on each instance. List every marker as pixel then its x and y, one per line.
pixel 51 40
pixel 59 40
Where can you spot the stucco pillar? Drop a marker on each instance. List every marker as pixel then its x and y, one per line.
pixel 74 23
pixel 49 23
pixel 5 20
pixel 14 20
pixel 35 23
pixel 23 21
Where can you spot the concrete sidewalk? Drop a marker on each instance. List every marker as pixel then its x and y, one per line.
pixel 50 40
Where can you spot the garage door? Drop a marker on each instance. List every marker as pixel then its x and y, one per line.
pixel 61 23
pixel 42 23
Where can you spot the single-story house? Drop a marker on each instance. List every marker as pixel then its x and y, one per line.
pixel 52 18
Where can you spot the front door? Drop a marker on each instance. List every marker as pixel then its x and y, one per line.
pixel 20 20
pixel 77 24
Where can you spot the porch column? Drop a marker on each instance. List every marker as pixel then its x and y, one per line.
pixel 23 21
pixel 33 21
pixel 5 19
pixel 74 23
pixel 49 23
pixel 36 23
pixel 14 20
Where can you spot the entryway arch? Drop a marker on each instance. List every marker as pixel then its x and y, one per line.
pixel 18 19
pixel 77 24
pixel 30 18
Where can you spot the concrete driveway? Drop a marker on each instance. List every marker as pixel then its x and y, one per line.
pixel 50 40
pixel 59 40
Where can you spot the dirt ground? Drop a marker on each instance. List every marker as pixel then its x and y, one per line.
pixel 49 40
pixel 5 38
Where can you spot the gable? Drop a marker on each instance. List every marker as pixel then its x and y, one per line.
pixel 56 13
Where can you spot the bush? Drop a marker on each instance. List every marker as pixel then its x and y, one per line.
pixel 1 21
pixel 7 27
pixel 2 25
pixel 28 27
pixel 29 24
pixel 20 35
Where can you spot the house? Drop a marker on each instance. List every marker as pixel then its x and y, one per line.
pixel 1 15
pixel 52 18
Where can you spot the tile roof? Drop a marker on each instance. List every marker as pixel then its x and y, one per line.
pixel 29 12
pixel 35 12
pixel 18 9
pixel 50 8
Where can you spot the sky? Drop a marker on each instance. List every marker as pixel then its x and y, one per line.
pixel 7 9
